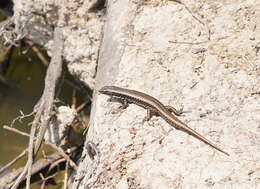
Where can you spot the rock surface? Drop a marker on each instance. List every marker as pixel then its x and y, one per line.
pixel 202 55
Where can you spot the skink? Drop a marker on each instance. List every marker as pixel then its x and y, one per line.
pixel 153 105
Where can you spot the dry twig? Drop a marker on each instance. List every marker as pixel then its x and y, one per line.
pixel 64 155
pixel 44 107
pixel 16 131
pixel 13 161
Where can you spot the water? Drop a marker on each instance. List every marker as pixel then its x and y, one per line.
pixel 26 78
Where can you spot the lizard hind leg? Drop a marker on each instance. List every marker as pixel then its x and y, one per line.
pixel 175 111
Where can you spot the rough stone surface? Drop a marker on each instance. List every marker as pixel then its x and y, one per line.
pixel 204 58
pixel 211 68
pixel 81 30
pixel 59 131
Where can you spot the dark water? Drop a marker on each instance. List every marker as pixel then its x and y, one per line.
pixel 26 78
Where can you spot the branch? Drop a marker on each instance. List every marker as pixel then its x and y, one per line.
pixel 44 106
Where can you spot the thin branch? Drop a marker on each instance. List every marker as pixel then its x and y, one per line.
pixel 13 161
pixel 53 74
pixel 21 117
pixel 30 156
pixel 64 155
pixel 44 179
pixel 16 131
pixel 21 177
pixel 37 52
pixel 82 106
pixel 46 102
pixel 38 166
pixel 65 182
pixel 43 108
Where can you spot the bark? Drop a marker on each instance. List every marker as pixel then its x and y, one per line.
pixel 202 55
